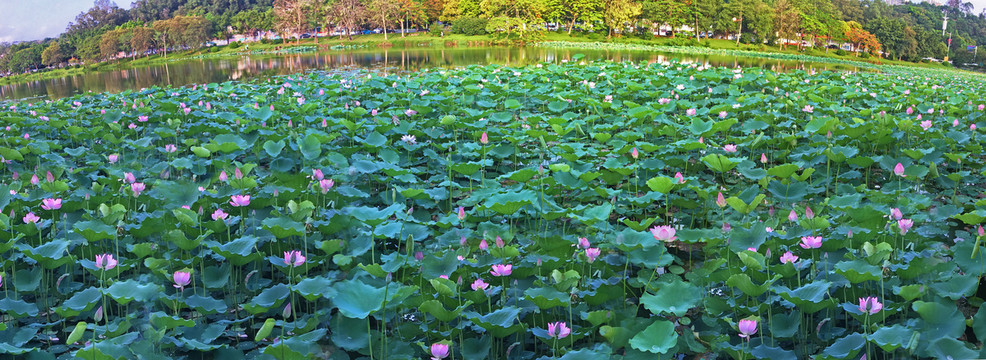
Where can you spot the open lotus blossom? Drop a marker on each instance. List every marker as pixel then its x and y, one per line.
pixel 294 258
pixel 170 148
pixel 592 254
pixel 409 139
pixel 182 279
pixel 729 148
pixel 317 174
pixel 691 112
pixel 747 327
pixel 479 284
pixel 788 258
pixel 129 177
pixel 239 200
pixel 137 187
pixel 721 200
pixel 439 351
pixel 410 112
pixel 113 158
pixel 219 214
pixel 811 242
pixel 904 225
pixel 899 170
pixel 896 214
pixel 926 124
pixel 558 330
pixel 142 118
pixel 326 184
pixel 501 270
pixel 808 109
pixel 51 204
pixel 31 218
pixel 583 243
pixel 663 233
pixel 870 305
pixel 105 262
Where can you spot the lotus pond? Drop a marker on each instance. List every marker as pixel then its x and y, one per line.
pixel 575 211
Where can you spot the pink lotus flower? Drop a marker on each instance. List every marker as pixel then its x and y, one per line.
pixel 499 242
pixel 31 218
pixel 729 148
pixel 981 231
pixel 34 179
pixel 113 158
pixel 484 139
pixel 679 178
pixel 188 110
pixel 899 170
pixel 479 284
pixel 763 158
pixel 439 351
pixel 904 225
pixel 910 110
pixel 793 216
pixel 483 245
pixel 722 114
pixel 583 243
pixel 182 279
pixel 49 177
pixel 811 242
pixel 896 214
pixel 137 188
pixel 170 148
pixel 51 204
pixel 501 270
pixel 142 118
pixel 926 124
pixel 129 178
pixel 462 213
pixel 326 184
pixel 808 213
pixel 219 214
pixel 808 109
pixel 592 254
pixel 972 127
pixel 955 122
pixel 26 136
pixel 721 200
pixel 634 153
pixel 237 174
pixel 663 233
pixel 239 200
pixel 788 258
pixel 105 262
pixel 294 258
pixel 410 112
pixel 691 112
pixel 409 139
pixel 317 174
pixel 747 327
pixel 558 330
pixel 223 176
pixel 870 305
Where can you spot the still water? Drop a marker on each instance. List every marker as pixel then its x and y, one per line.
pixel 379 60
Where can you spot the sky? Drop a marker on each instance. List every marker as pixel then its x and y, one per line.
pixel 24 20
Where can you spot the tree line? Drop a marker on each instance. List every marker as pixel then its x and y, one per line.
pixel 908 31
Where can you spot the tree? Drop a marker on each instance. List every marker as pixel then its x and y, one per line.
pixel 142 40
pixel 52 54
pixel 665 12
pixel 787 20
pixel 620 14
pixel 584 11
pixel 292 16
pixel 860 38
pixel 506 16
pixel 383 13
pixel 348 14
pixel 410 12
pixel 457 9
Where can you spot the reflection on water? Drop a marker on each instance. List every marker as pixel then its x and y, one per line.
pixel 384 61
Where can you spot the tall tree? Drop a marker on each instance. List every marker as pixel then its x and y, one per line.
pixel 292 16
pixel 620 14
pixel 348 14
pixel 787 20
pixel 383 13
pixel 52 54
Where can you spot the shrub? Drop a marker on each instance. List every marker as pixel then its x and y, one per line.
pixel 469 26
pixel 841 52
pixel 437 29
